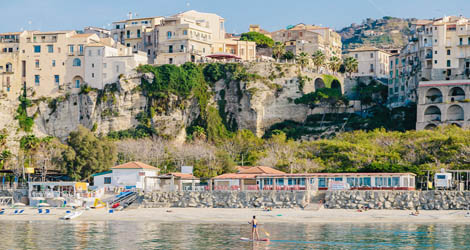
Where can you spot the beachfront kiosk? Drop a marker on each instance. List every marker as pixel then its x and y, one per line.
pixel 337 181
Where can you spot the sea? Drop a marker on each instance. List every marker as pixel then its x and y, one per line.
pixel 154 235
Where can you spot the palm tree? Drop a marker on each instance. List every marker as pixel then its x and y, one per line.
pixel 335 63
pixel 303 59
pixel 278 50
pixel 351 65
pixel 319 59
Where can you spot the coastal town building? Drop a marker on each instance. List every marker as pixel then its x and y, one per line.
pixel 372 62
pixel 138 34
pixel 257 28
pixel 403 80
pixel 309 38
pixel 443 102
pixel 107 61
pixel 129 175
pixel 10 71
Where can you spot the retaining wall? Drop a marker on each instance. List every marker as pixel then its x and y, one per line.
pixel 230 199
pixel 427 200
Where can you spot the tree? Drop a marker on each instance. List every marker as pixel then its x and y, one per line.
pixel 318 59
pixel 334 63
pixel 261 40
pixel 5 154
pixel 351 65
pixel 87 154
pixel 303 59
pixel 288 55
pixel 278 50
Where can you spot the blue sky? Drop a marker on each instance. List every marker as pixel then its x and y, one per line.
pixel 270 14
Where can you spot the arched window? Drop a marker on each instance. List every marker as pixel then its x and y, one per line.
pixel 77 62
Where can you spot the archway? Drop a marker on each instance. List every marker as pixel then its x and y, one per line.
pixel 456 94
pixel 319 84
pixel 430 126
pixel 335 84
pixel 433 95
pixel 455 113
pixel 432 113
pixel 77 81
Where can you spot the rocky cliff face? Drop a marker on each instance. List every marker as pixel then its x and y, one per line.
pixel 255 104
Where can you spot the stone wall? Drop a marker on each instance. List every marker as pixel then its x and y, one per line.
pixel 230 199
pixel 427 200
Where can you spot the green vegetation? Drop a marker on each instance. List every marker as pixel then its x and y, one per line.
pixel 328 80
pixel 5 154
pixel 86 154
pixel 25 122
pixel 278 50
pixel 261 40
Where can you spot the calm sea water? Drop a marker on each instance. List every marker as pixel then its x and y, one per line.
pixel 153 235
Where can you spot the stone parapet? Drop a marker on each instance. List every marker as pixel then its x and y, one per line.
pixel 426 200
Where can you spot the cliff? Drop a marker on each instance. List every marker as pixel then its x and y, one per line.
pixel 251 96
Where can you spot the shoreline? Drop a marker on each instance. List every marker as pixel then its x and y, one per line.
pixel 243 215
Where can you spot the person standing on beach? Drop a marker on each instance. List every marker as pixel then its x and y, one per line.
pixel 254 228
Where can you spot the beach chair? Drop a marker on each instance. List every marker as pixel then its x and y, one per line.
pixel 39 211
pixel 16 211
pixel 48 211
pixel 21 211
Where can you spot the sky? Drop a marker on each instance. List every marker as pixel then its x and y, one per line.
pixel 48 15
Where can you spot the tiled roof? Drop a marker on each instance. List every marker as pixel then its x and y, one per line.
pixel 134 165
pixel 261 170
pixel 241 168
pixel 184 176
pixel 236 176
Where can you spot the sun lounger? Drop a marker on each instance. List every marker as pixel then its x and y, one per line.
pixel 16 211
pixel 48 211
pixel 21 211
pixel 40 211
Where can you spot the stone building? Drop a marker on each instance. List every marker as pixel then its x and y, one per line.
pixel 10 73
pixel 310 38
pixel 372 62
pixel 443 102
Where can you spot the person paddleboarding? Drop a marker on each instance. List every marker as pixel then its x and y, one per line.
pixel 254 228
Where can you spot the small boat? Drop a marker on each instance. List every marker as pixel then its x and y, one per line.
pixel 248 239
pixel 71 216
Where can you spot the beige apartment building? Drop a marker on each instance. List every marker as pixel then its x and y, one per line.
pixel 310 38
pixel 10 77
pixel 244 50
pixel 138 34
pixel 190 37
pixel 372 62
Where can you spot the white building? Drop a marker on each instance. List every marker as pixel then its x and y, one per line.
pixel 128 175
pixel 105 64
pixel 372 62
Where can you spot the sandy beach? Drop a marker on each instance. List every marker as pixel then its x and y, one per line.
pixel 227 215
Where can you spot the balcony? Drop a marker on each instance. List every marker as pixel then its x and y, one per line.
pixel 429 56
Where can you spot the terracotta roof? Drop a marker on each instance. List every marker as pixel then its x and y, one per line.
pixel 241 168
pixel 261 170
pixel 184 176
pixel 134 165
pixel 236 176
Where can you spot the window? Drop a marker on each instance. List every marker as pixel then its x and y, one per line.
pixel 118 26
pixel 104 65
pixel 71 48
pixel 371 55
pixel 185 32
pixel 170 49
pixel 117 68
pixel 37 64
pixel 128 45
pixel 53 63
pixel 77 83
pixel 128 34
pixel 355 56
pixel 99 52
pixel 138 33
pixel 107 180
pixel 56 79
pixel 435 52
pixel 168 34
pixel 321 182
pixel 395 181
pixel 77 62
pixel 182 47
pixel 468 42
pixel 170 60
pixel 92 65
pixel 448 63
pixel 448 52
pixel 80 48
pixel 37 49
pixel 50 48
pixel 36 80
pixel 435 61
pixel 92 75
pixel 204 50
pixel 461 41
pixel 89 52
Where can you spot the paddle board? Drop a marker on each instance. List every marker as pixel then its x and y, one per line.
pixel 248 239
